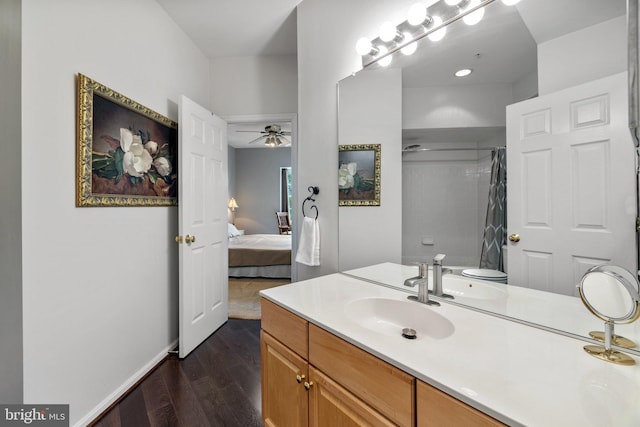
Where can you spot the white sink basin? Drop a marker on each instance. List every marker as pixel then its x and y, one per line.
pixel 390 317
pixel 461 287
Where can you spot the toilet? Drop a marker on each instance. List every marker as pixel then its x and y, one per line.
pixel 485 274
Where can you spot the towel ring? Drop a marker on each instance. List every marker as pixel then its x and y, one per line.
pixel 313 190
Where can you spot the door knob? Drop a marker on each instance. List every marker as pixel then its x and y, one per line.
pixel 189 239
pixel 515 238
pixel 178 239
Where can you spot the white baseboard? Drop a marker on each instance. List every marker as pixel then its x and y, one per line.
pixel 120 391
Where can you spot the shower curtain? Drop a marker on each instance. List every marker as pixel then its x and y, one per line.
pixel 495 230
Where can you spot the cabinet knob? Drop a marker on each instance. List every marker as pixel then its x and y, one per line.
pixel 299 378
pixel 308 385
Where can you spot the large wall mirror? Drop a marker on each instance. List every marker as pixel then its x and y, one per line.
pixel 547 99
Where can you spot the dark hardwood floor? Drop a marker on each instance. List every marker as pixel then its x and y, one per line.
pixel 218 384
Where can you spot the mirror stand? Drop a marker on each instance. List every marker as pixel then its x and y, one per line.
pixel 616 340
pixel 612 294
pixel 605 352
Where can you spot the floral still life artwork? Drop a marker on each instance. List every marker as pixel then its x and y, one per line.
pixel 359 175
pixel 126 153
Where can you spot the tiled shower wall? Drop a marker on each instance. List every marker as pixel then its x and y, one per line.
pixel 444 206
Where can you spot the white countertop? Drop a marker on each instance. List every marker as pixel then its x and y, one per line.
pixel 518 374
pixel 554 311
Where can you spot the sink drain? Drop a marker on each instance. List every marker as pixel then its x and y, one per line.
pixel 409 333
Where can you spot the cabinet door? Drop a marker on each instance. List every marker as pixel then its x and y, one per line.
pixel 284 397
pixel 438 409
pixel 332 405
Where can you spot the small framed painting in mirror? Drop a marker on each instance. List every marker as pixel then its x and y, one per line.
pixel 359 175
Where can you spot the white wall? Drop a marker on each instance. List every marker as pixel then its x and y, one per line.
pixel 455 106
pixel 100 284
pixel 327 34
pixel 258 188
pixel 371 113
pixel 10 208
pixel 583 56
pixel 254 85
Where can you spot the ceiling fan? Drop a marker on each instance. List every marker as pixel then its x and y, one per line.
pixel 273 136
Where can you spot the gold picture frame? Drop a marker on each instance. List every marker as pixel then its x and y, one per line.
pixel 126 153
pixel 359 175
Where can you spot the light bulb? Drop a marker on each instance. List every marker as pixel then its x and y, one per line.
pixel 475 17
pixel 510 2
pixel 386 60
pixel 452 2
pixel 417 14
pixel 411 47
pixel 437 35
pixel 388 32
pixel 363 46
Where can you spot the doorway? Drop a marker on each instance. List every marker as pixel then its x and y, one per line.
pixel 260 148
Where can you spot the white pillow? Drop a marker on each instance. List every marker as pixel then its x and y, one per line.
pixel 232 231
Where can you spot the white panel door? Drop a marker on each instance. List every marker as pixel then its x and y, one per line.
pixel 202 225
pixel 570 185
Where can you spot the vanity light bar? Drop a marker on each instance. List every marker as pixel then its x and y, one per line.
pixel 448 14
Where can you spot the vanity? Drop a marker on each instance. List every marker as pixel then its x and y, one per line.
pixel 333 352
pixel 351 349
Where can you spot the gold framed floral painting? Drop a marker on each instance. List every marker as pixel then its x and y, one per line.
pixel 359 175
pixel 126 154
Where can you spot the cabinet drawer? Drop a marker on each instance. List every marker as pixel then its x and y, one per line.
pixel 377 383
pixel 438 409
pixel 289 329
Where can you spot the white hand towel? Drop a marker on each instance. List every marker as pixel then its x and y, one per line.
pixel 309 244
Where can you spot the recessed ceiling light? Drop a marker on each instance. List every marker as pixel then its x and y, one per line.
pixel 464 72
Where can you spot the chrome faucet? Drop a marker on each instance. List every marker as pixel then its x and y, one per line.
pixel 422 280
pixel 437 276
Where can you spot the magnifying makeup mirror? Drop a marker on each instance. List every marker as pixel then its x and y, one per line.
pixel 612 294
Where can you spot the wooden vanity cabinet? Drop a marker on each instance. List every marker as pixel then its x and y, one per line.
pixel 311 377
pixel 295 393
